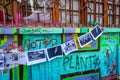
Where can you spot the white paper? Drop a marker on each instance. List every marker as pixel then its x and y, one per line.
pixel 69 47
pixel 15 58
pixel 35 57
pixel 1 61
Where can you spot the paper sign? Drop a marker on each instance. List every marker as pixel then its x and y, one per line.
pixel 69 47
pixel 15 58
pixel 35 57
pixel 54 52
pixel 85 39
pixel 1 61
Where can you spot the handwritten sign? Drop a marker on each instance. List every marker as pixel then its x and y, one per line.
pixel 40 30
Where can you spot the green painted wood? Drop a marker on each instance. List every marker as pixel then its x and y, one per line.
pixel 25 73
pixel 108 30
pixel 0 31
pixel 84 30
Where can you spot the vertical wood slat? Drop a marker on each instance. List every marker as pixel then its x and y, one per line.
pixel 82 6
pixel 70 11
pixel 79 10
pixel 95 10
pixel 105 13
pixel 14 11
pixel 114 13
pixel 65 12
pixel 55 12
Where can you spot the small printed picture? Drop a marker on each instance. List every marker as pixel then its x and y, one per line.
pixel 96 32
pixel 1 61
pixel 35 57
pixel 15 58
pixel 85 39
pixel 69 47
pixel 54 52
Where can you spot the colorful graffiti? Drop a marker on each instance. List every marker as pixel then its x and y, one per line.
pixel 105 59
pixel 7 40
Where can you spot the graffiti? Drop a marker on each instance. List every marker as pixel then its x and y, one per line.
pixel 81 63
pixel 110 62
pixel 7 40
pixel 38 42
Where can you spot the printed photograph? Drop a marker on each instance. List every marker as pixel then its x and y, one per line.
pixel 35 57
pixel 96 32
pixel 15 58
pixel 85 39
pixel 69 47
pixel 54 52
pixel 1 61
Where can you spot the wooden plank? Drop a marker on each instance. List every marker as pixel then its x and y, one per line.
pixel 46 70
pixel 107 30
pixel 14 11
pixel 84 30
pixel 55 12
pixel 105 12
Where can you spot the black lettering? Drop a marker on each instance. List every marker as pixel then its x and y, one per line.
pixel 65 62
pixel 77 63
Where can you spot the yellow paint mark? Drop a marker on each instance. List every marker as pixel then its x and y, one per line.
pixel 90 29
pixel 75 36
pixel 77 30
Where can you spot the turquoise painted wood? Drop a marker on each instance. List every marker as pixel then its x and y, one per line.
pixel 119 60
pixel 105 59
pixel 47 70
pixel 5 76
pixel 108 30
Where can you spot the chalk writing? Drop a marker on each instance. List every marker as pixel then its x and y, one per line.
pixel 81 63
